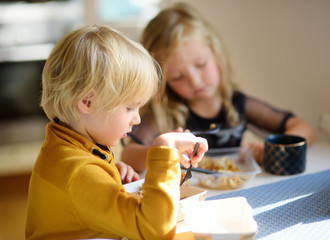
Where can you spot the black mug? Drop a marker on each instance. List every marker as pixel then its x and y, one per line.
pixel 285 154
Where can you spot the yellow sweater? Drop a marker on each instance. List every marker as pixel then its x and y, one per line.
pixel 75 194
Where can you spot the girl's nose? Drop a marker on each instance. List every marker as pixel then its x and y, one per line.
pixel 194 78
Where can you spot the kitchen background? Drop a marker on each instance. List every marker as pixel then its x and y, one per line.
pixel 279 48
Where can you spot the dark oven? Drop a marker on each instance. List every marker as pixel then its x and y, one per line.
pixel 28 32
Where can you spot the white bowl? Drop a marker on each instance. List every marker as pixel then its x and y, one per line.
pixel 241 157
pixel 229 218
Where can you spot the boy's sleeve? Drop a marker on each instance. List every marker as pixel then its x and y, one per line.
pixel 102 204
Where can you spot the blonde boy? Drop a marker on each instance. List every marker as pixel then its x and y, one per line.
pixel 94 83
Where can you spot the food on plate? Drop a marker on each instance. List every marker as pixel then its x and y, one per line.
pixel 222 165
pixel 223 182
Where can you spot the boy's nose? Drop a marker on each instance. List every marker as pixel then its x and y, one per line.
pixel 137 119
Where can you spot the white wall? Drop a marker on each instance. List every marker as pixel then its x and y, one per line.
pixel 280 48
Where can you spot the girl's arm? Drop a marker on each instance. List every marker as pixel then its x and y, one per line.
pixel 296 126
pixel 135 148
pixel 135 155
pixel 267 117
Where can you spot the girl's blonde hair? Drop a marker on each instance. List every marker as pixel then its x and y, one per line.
pixel 99 59
pixel 165 33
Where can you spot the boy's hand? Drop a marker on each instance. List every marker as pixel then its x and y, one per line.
pixel 185 143
pixel 127 174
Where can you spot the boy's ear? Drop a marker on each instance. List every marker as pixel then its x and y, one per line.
pixel 85 104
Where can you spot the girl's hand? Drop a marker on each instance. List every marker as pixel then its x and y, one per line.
pixel 127 174
pixel 257 151
pixel 180 129
pixel 185 143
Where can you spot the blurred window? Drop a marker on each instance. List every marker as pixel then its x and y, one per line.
pixel 127 10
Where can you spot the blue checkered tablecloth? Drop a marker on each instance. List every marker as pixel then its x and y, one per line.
pixel 296 208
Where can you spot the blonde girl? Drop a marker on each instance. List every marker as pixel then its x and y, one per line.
pixel 198 90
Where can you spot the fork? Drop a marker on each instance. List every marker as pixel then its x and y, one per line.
pixel 188 173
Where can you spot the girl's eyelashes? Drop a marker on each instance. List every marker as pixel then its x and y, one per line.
pixel 200 64
pixel 177 78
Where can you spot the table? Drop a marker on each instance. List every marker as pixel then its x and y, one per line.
pixel 289 207
pixel 296 208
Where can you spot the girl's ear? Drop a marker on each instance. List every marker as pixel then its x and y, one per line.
pixel 85 104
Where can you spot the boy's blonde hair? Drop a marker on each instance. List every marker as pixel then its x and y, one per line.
pixel 170 28
pixel 99 59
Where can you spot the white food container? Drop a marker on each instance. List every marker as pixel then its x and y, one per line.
pixel 229 218
pixel 223 180
pixel 189 194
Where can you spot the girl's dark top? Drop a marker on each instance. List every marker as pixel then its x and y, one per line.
pixel 252 112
